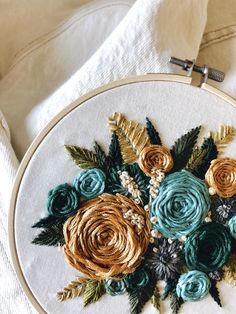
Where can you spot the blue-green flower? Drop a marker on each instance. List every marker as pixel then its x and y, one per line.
pixel 90 183
pixel 232 226
pixel 115 287
pixel 193 286
pixel 62 201
pixel 138 279
pixel 181 205
pixel 208 248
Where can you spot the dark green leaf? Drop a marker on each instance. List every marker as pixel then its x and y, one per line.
pixel 211 153
pixel 214 292
pixel 169 287
pixel 175 302
pixel 139 297
pixel 48 222
pixel 183 148
pixel 94 290
pixel 101 156
pixel 52 236
pixel 114 156
pixel 82 157
pixel 152 133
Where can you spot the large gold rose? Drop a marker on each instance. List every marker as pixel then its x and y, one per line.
pixel 221 176
pixel 155 157
pixel 103 240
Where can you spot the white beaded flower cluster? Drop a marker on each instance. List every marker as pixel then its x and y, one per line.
pixel 134 218
pixel 128 182
pixel 155 181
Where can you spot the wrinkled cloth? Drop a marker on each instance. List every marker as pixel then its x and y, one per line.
pixel 47 73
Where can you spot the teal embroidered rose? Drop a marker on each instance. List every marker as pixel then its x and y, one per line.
pixel 136 280
pixel 232 226
pixel 181 205
pixel 62 201
pixel 139 279
pixel 115 287
pixel 208 248
pixel 193 286
pixel 90 183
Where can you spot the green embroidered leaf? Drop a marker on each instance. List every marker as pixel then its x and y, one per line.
pixel 52 236
pixel 74 289
pixel 175 302
pixel 139 297
pixel 48 222
pixel 82 157
pixel 211 153
pixel 152 133
pixel 94 290
pixel 214 292
pixel 169 287
pixel 114 156
pixel 196 159
pixel 183 148
pixel 201 158
pixel 132 136
pixel 155 300
pixel 100 155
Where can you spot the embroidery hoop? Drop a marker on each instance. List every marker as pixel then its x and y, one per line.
pixel 156 79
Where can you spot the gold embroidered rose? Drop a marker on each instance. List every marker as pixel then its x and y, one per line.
pixel 101 240
pixel 155 157
pixel 221 177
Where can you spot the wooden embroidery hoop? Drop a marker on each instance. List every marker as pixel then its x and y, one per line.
pixel 168 78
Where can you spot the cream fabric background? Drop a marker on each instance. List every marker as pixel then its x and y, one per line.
pixel 39 85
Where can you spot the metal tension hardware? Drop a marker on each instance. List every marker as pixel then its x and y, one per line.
pixel 205 71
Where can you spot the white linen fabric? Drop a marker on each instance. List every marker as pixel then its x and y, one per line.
pixel 50 72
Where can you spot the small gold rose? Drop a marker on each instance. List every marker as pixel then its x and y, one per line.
pixel 155 158
pixel 221 177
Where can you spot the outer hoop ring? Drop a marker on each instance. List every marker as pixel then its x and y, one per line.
pixel 20 173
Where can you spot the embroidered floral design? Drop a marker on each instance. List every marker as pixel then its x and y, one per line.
pixel 165 258
pixel 155 157
pixel 208 248
pixel 141 212
pixel 90 183
pixel 115 287
pixel 232 226
pixel 62 201
pixel 193 286
pixel 181 205
pixel 222 209
pixel 221 177
pixel 139 279
pixel 100 242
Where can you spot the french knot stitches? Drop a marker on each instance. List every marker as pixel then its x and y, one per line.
pixel 155 158
pixel 221 177
pixel 100 242
pixel 208 248
pixel 181 205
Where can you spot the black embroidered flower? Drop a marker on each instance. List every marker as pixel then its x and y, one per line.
pixel 164 258
pixel 222 209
